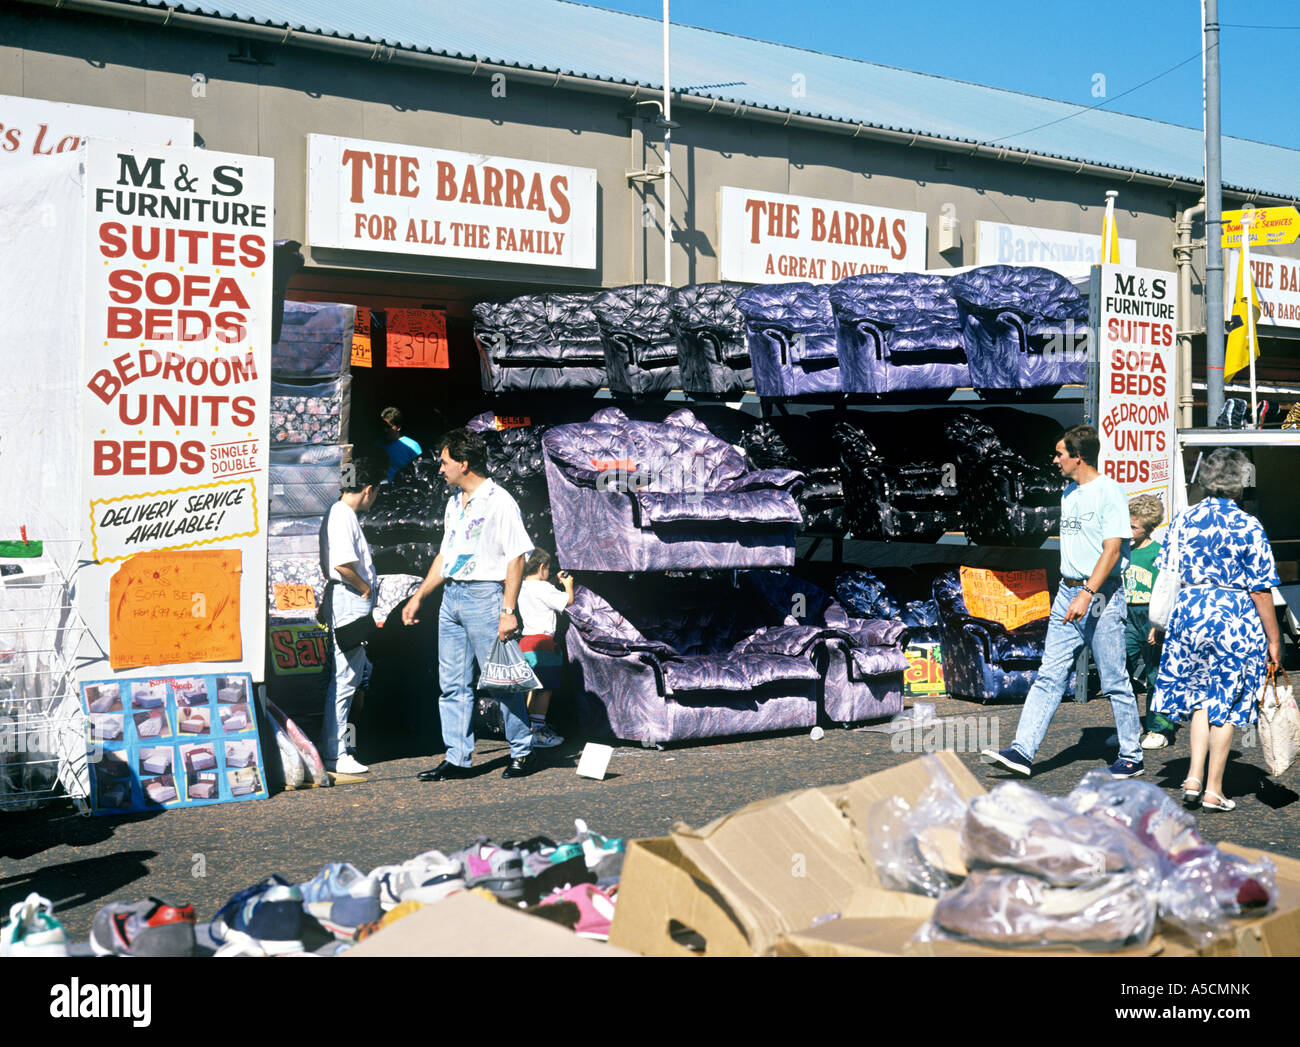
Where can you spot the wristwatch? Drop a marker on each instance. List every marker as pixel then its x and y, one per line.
pixel 507 611
pixel 1085 588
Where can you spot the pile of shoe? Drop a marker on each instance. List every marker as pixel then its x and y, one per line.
pixel 571 883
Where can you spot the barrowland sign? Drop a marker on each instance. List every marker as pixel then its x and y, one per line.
pixel 1277 281
pixel 34 127
pixel 373 196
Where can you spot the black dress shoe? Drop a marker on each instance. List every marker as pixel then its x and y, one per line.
pixel 445 771
pixel 520 767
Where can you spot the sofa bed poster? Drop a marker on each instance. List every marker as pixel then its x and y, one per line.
pixel 178 741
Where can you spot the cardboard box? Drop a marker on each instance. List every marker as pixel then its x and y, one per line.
pixel 738 885
pixel 792 876
pixel 924 676
pixel 466 925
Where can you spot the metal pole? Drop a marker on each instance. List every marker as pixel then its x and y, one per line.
pixel 1213 217
pixel 1248 288
pixel 668 164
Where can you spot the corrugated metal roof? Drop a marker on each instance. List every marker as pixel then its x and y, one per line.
pixel 579 40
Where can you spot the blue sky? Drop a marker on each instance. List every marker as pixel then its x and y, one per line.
pixel 1049 48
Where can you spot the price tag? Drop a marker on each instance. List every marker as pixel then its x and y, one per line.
pixel 290 597
pixel 361 350
pixel 519 421
pixel 417 338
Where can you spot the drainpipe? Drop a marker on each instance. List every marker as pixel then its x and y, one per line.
pixel 1183 258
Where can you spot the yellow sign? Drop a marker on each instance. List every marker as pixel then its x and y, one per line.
pixel 1268 225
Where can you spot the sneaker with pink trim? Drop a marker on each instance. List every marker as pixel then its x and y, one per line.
pixel 499 869
pixel 595 908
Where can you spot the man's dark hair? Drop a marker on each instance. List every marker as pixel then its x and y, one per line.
pixel 538 559
pixel 392 416
pixel 1082 442
pixel 465 445
pixel 361 473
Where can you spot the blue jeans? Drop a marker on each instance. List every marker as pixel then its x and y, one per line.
pixel 467 628
pixel 1102 629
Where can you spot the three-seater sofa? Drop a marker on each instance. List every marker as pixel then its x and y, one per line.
pixel 674 659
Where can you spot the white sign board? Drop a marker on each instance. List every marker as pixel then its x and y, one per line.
pixel 1137 348
pixel 1277 282
pixel 175 397
pixel 1070 254
pixel 34 127
pixel 371 196
pixel 769 238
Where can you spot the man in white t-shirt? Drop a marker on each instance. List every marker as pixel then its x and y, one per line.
pixel 1089 609
pixel 346 562
pixel 481 566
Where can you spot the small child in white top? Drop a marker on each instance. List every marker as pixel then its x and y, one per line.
pixel 539 604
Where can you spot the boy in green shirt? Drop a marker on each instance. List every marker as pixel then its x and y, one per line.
pixel 1145 515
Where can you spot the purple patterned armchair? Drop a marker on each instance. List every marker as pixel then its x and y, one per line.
pixel 1025 327
pixel 711 339
pixel 791 335
pixel 702 658
pixel 898 331
pixel 640 350
pixel 663 496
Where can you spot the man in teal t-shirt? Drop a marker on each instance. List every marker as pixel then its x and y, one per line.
pixel 1089 609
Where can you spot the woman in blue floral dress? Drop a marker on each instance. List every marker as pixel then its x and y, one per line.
pixel 1223 631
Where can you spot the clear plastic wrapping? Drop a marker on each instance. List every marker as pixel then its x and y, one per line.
pixel 1015 827
pixel 1001 908
pixel 1202 889
pixel 905 861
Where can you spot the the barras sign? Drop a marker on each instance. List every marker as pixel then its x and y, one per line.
pixel 774 238
pixel 372 196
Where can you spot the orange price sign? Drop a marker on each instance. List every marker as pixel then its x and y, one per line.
pixel 519 421
pixel 417 338
pixel 290 597
pixel 361 349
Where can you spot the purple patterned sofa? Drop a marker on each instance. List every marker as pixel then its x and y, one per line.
pixel 711 347
pixel 898 331
pixel 982 659
pixel 791 334
pixel 1025 327
pixel 549 341
pixel 662 496
pixel 640 350
pixel 862 594
pixel 703 658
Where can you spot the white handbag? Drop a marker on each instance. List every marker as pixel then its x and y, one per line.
pixel 1164 593
pixel 1279 723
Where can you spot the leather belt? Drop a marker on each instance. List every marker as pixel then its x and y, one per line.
pixel 1073 582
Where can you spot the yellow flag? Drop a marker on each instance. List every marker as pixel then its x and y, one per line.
pixel 1110 235
pixel 1236 357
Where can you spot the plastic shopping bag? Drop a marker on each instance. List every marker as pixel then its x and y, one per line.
pixel 507 670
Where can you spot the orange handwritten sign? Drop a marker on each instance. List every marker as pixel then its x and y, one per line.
pixel 175 606
pixel 1010 598
pixel 294 597
pixel 361 350
pixel 417 338
pixel 520 421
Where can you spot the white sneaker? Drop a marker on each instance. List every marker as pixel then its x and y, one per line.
pixel 1154 740
pixel 427 878
pixel 32 930
pixel 346 764
pixel 546 738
